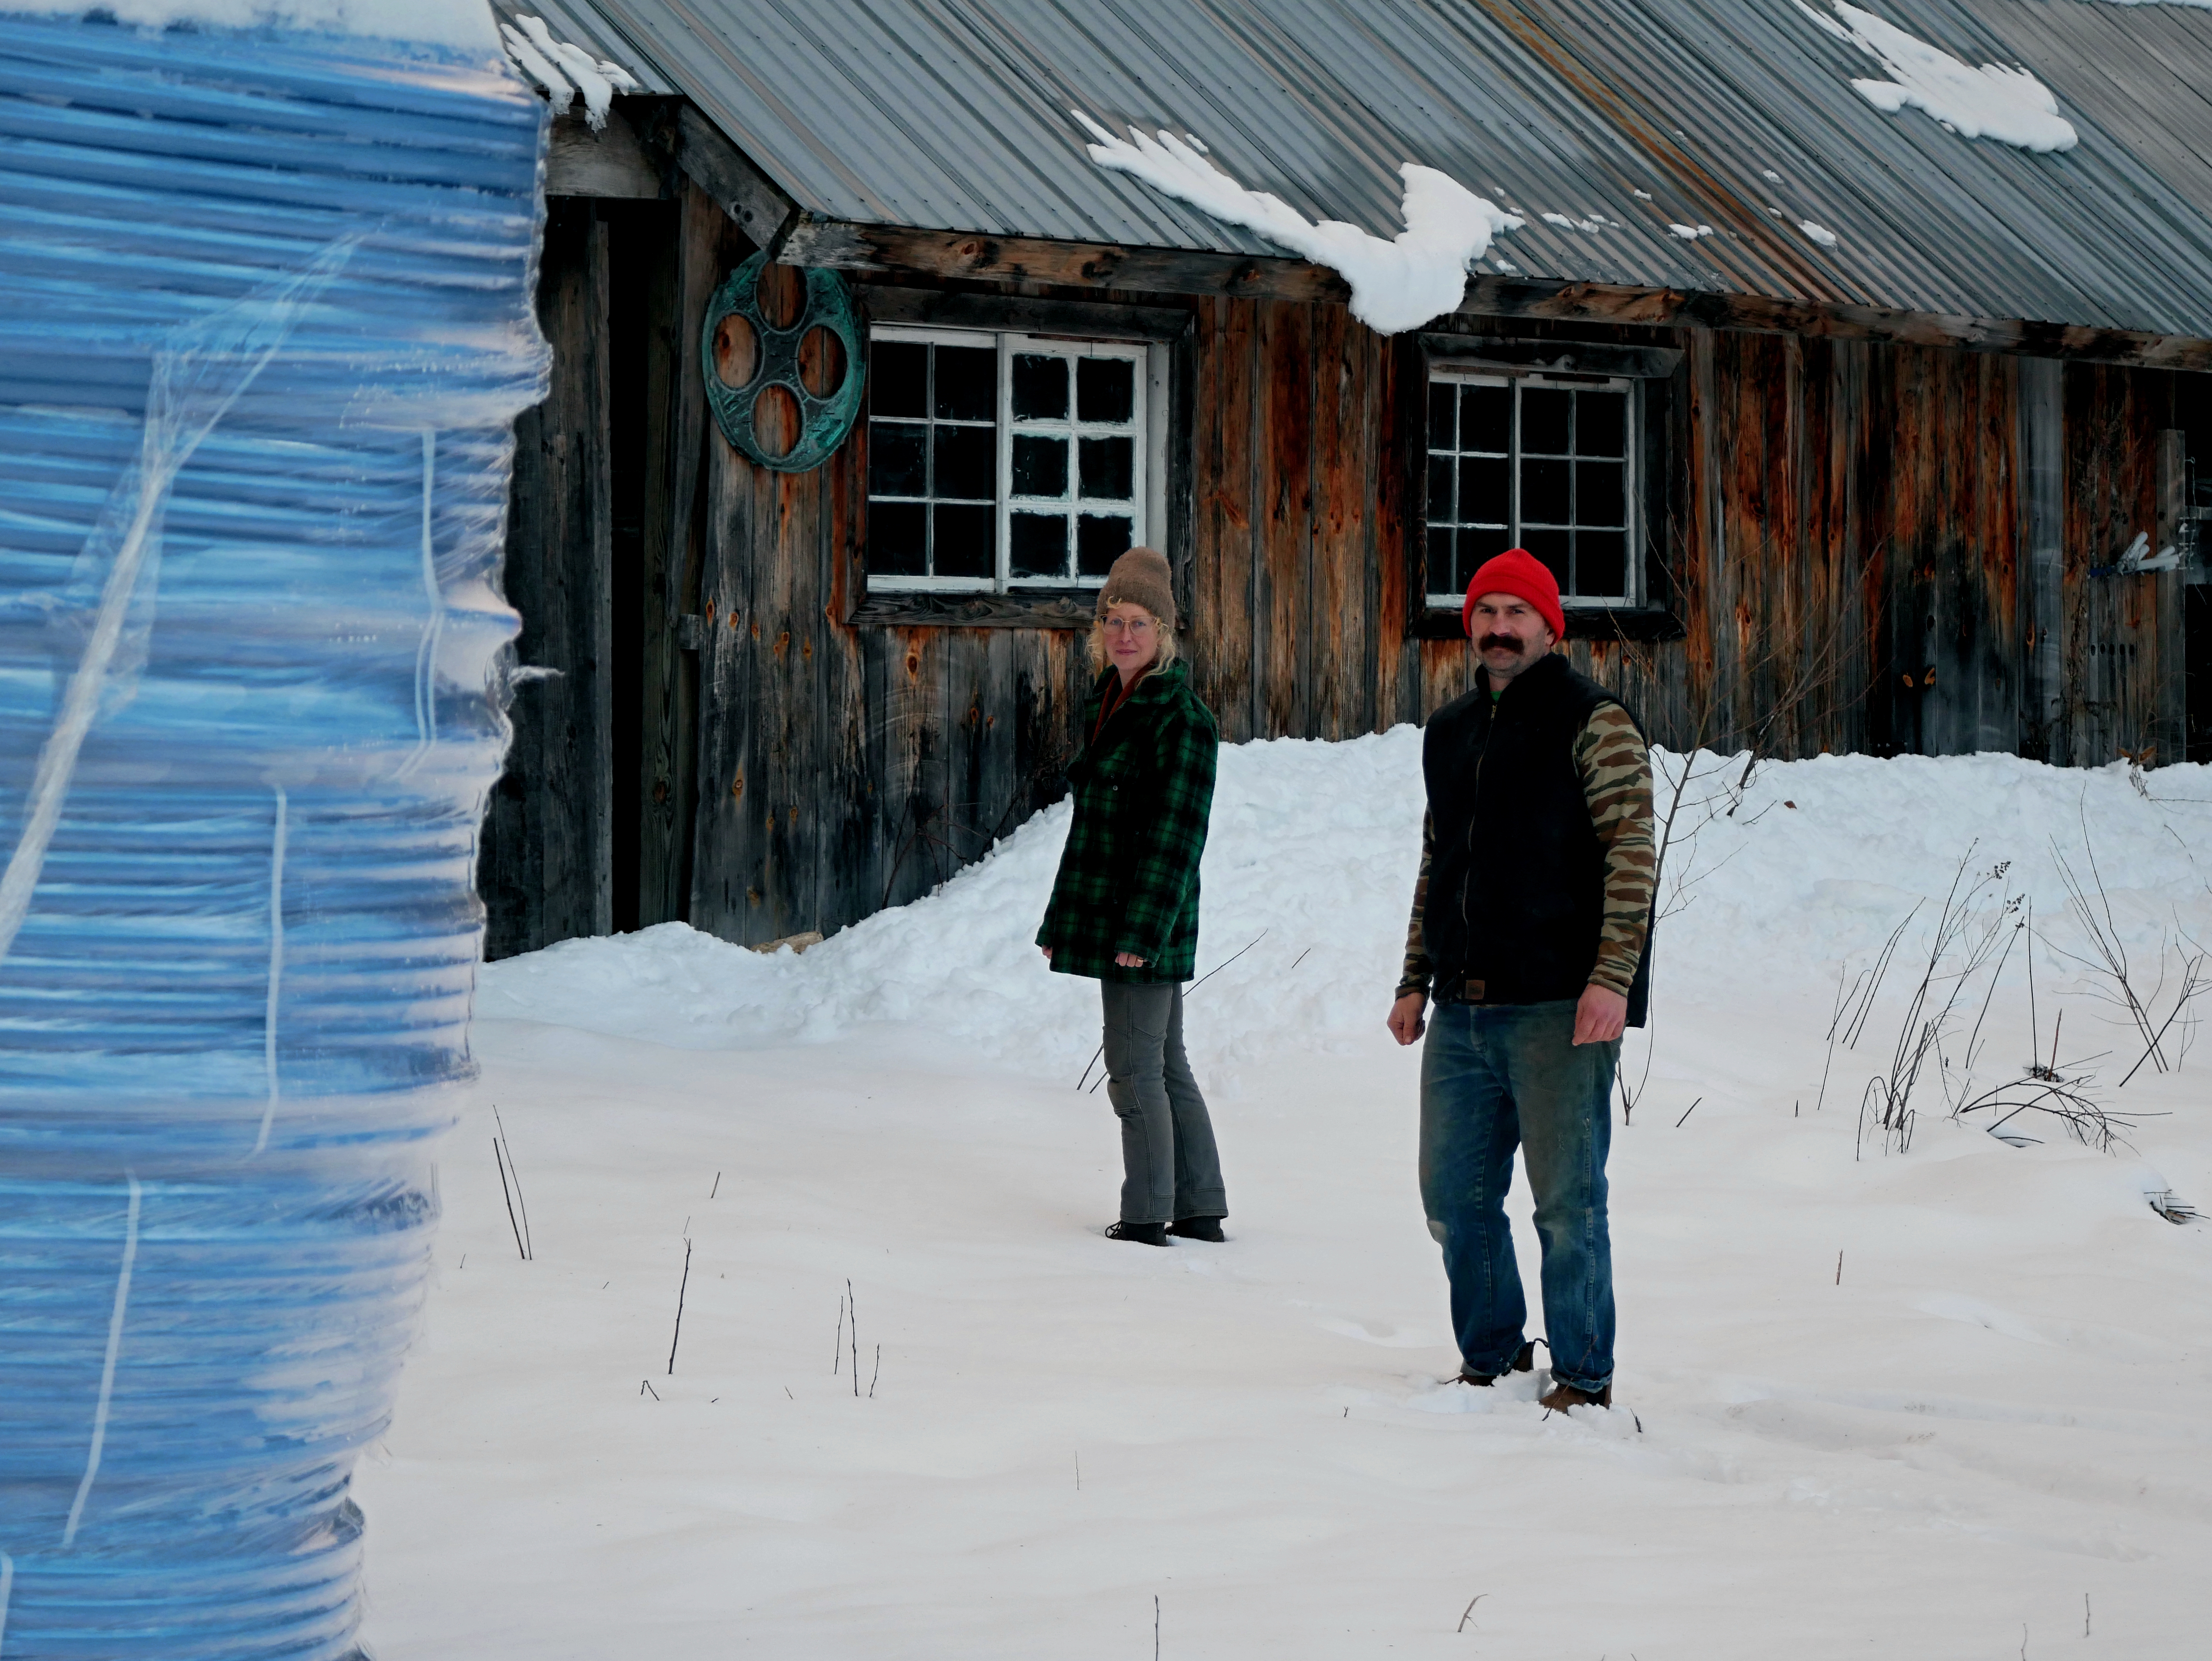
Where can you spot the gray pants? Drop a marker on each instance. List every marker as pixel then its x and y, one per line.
pixel 1170 1168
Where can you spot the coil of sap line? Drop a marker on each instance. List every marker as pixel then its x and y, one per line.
pixel 266 320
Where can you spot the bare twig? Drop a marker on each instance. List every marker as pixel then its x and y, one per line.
pixel 501 1159
pixel 681 1287
pixel 1468 1613
pixel 1225 964
pixel 529 1245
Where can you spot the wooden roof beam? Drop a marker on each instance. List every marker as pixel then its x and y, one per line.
pixel 964 254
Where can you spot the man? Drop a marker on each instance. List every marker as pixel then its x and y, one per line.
pixel 1530 923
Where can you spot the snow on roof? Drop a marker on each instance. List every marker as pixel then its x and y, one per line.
pixel 465 24
pixel 2009 105
pixel 563 71
pixel 1396 286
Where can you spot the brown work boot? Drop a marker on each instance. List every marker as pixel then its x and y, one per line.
pixel 1562 1396
pixel 1523 1359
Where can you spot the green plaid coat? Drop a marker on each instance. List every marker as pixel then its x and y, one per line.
pixel 1128 878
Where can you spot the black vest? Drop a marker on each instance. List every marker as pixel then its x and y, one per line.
pixel 1517 880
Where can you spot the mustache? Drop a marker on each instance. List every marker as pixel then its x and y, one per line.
pixel 1502 643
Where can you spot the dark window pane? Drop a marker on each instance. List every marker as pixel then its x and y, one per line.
pixel 1441 569
pixel 1100 540
pixel 1105 389
pixel 1601 424
pixel 1599 497
pixel 1440 490
pixel 1040 466
pixel 966 463
pixel 1040 387
pixel 967 383
pixel 1038 545
pixel 1476 546
pixel 1486 419
pixel 1551 547
pixel 1485 489
pixel 1544 415
pixel 1544 492
pixel 1601 563
pixel 898 460
pixel 1443 404
pixel 897 538
pixel 898 378
pixel 1107 468
pixel 963 542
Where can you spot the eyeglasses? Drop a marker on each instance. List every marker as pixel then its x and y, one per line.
pixel 1129 625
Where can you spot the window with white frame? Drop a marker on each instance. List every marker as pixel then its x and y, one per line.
pixel 1536 462
pixel 998 462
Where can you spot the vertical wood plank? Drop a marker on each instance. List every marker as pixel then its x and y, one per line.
pixel 1233 516
pixel 547 846
pixel 1341 655
pixel 730 882
pixel 1401 446
pixel 846 800
pixel 2041 426
pixel 2170 729
pixel 1285 456
pixel 674 551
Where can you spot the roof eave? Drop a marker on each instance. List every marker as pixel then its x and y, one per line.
pixel 982 257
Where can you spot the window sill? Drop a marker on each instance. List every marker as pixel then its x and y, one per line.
pixel 1638 623
pixel 976 609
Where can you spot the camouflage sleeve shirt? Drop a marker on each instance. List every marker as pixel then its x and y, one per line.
pixel 1616 775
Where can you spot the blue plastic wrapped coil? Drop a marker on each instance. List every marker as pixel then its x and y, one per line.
pixel 266 320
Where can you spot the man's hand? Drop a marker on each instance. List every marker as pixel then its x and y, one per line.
pixel 1602 1015
pixel 1128 960
pixel 1405 1022
pixel 1047 952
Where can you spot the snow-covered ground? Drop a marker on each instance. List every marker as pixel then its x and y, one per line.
pixel 1980 1429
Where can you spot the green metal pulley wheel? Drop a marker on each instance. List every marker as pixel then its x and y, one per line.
pixel 823 421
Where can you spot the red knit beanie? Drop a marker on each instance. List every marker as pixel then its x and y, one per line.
pixel 1521 574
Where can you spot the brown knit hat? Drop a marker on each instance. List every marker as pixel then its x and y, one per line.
pixel 1141 577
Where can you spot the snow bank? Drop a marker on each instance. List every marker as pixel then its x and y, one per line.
pixel 2009 105
pixel 1309 872
pixel 465 24
pixel 1395 285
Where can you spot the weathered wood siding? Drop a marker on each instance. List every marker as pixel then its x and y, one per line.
pixel 1862 545
pixel 545 864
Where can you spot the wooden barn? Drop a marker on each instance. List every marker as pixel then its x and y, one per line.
pixel 1845 429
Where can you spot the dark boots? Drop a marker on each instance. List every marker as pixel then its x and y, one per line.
pixel 1143 1233
pixel 1560 1397
pixel 1523 1359
pixel 1198 1228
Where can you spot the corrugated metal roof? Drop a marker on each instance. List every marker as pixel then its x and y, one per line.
pixel 575 23
pixel 953 114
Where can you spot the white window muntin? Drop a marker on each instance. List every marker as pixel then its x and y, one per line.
pixel 1514 523
pixel 1148 389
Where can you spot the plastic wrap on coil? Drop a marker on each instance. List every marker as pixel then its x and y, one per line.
pixel 266 321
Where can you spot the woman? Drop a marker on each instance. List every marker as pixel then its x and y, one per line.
pixel 1124 907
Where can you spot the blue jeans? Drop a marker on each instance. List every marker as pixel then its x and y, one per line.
pixel 1494 1077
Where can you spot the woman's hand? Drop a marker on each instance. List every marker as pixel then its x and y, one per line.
pixel 1127 960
